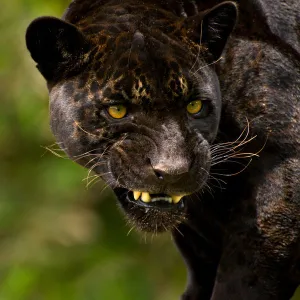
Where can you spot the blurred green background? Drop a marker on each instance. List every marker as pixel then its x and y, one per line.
pixel 58 238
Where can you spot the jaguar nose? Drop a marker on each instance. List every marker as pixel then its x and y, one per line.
pixel 169 173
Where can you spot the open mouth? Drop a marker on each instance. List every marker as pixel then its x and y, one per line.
pixel 152 212
pixel 159 201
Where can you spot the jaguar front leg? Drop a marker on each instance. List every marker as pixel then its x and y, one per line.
pixel 201 262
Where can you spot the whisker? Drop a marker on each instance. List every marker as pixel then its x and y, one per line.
pixel 54 151
pixel 218 180
pixel 94 183
pixel 199 49
pixel 89 133
pixel 214 62
pixel 130 230
pixel 90 182
pixel 234 174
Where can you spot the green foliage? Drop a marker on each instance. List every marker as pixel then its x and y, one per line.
pixel 60 240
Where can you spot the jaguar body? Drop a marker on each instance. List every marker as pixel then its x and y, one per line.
pixel 162 99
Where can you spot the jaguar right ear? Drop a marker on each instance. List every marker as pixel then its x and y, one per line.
pixel 58 47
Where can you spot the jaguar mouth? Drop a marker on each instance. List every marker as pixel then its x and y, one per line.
pixel 150 212
pixel 158 201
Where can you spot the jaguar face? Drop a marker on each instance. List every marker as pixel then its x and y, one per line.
pixel 140 107
pixel 148 141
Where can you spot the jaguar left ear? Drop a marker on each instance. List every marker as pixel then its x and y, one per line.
pixel 58 47
pixel 212 28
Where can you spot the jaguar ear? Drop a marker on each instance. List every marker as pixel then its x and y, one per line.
pixel 212 28
pixel 58 47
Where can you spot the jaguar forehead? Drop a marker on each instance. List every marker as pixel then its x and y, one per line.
pixel 138 41
pixel 142 78
pixel 141 91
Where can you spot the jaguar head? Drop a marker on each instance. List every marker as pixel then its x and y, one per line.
pixel 135 98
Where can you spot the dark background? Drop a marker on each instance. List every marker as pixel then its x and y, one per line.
pixel 58 238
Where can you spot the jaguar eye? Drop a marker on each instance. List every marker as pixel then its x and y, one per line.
pixel 194 107
pixel 117 111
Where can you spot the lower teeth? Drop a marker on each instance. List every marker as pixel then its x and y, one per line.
pixel 166 199
pixel 146 197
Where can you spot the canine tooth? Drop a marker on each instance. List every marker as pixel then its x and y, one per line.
pixel 136 195
pixel 146 197
pixel 176 199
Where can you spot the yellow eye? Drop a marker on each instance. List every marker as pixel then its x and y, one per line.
pixel 194 107
pixel 117 111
